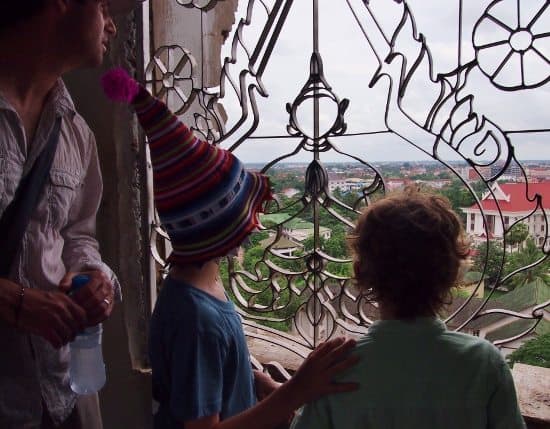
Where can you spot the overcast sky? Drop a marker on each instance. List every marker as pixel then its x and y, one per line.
pixel 350 64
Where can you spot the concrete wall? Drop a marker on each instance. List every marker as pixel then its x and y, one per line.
pixel 126 399
pixel 174 25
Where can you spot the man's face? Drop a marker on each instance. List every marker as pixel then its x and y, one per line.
pixel 90 27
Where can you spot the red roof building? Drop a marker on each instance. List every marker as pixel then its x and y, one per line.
pixel 508 203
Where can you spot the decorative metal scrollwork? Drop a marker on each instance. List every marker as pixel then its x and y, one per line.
pixel 171 75
pixel 511 44
pixel 303 284
pixel 199 4
pixel 317 89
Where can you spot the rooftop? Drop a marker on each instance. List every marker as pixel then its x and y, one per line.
pixel 521 298
pixel 515 197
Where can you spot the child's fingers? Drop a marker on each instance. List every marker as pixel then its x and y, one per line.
pixel 338 346
pixel 338 353
pixel 348 345
pixel 327 346
pixel 343 365
pixel 324 349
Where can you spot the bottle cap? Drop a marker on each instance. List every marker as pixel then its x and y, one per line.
pixel 78 281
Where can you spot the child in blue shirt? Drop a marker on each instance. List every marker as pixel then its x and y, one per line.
pixel 209 203
pixel 412 372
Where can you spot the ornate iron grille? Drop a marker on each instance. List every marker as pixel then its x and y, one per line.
pixel 500 47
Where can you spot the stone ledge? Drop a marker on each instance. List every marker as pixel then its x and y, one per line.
pixel 533 389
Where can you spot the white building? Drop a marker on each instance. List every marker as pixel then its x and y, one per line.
pixel 299 229
pixel 346 184
pixel 295 229
pixel 515 201
pixel 290 192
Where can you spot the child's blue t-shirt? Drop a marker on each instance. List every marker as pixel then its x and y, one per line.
pixel 199 357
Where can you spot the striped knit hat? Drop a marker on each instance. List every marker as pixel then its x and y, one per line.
pixel 206 200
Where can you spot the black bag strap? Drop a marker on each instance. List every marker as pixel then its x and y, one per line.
pixel 17 214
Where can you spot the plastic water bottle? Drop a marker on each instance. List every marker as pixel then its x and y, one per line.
pixel 87 370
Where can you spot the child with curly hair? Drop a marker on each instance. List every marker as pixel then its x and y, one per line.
pixel 413 372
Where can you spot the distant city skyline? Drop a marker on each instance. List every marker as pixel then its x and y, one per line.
pixel 545 162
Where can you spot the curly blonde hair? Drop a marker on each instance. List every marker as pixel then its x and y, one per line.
pixel 407 249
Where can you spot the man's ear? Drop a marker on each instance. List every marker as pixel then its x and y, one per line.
pixel 52 11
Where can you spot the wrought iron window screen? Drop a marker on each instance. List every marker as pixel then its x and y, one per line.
pixel 508 44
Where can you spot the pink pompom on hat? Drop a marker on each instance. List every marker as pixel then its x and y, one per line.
pixel 206 200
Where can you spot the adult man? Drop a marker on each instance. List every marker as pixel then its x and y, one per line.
pixel 40 40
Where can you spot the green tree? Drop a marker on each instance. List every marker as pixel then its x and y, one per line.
pixel 340 269
pixel 459 196
pixel 309 243
pixel 251 257
pixel 336 246
pixel 257 237
pixel 289 264
pixel 525 257
pixel 287 180
pixel 517 234
pixel 534 352
pixel 488 258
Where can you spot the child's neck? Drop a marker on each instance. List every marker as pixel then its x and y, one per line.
pixel 387 312
pixel 205 277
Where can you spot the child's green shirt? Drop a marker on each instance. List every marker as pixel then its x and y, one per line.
pixel 419 375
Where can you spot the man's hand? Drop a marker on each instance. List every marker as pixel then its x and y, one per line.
pixel 96 297
pixel 51 315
